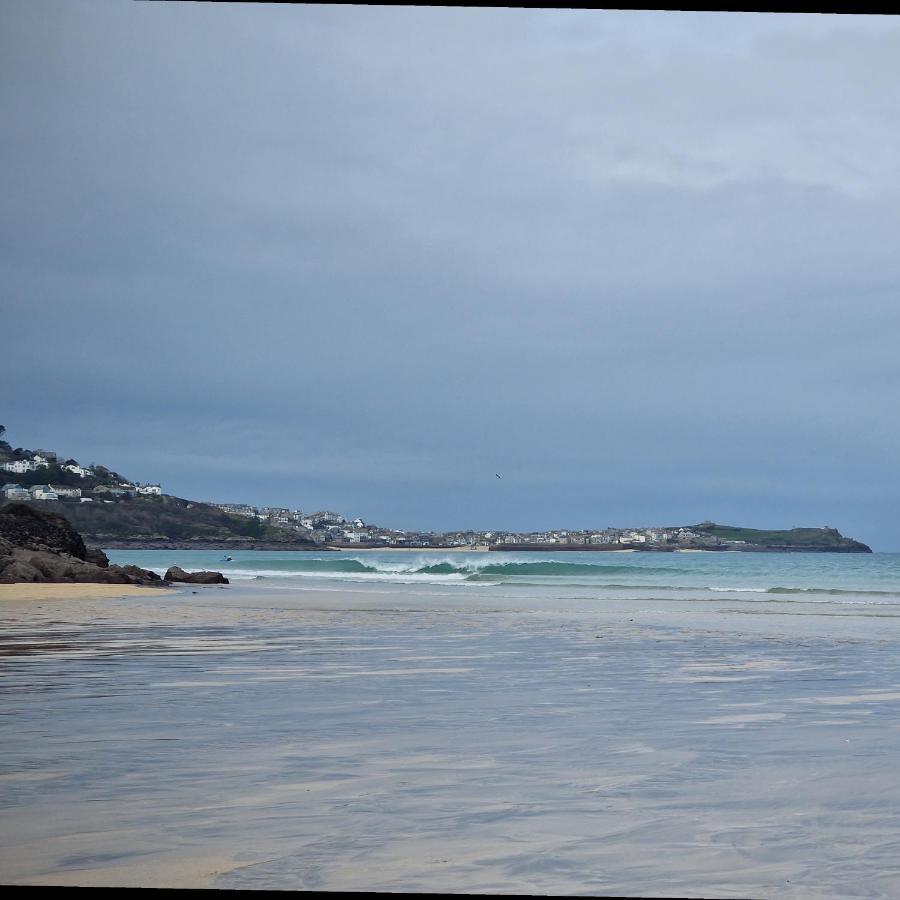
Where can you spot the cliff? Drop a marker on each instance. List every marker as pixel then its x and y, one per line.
pixel 170 523
pixel 803 540
pixel 39 546
pixel 710 536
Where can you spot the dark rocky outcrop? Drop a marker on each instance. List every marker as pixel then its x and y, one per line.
pixel 96 556
pixel 33 529
pixel 177 574
pixel 39 546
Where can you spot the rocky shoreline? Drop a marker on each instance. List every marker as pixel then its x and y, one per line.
pixel 42 547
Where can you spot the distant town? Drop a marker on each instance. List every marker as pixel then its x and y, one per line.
pixel 322 527
pixel 42 476
pixel 331 528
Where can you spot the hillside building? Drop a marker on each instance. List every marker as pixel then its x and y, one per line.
pixel 15 492
pixel 43 492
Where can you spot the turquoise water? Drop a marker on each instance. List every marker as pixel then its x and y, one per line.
pixel 838 577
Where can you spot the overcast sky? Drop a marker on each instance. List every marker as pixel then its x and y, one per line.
pixel 643 264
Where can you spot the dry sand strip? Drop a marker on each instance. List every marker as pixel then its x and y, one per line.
pixel 69 591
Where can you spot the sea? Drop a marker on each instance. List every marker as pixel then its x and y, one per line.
pixel 681 724
pixel 844 578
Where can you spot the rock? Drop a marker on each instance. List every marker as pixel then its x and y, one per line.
pixel 34 529
pixel 18 571
pixel 138 572
pixel 37 546
pixel 96 556
pixel 177 574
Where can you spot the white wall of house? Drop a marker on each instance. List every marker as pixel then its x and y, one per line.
pixel 19 466
pixel 80 471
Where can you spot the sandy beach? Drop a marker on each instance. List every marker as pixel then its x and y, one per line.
pixel 11 593
pixel 365 739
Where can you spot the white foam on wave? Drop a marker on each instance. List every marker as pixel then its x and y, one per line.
pixel 401 577
pixel 738 590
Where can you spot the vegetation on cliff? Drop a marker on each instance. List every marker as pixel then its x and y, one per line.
pixel 165 518
pixel 822 539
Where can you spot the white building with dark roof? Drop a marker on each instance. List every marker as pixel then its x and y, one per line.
pixel 15 492
pixel 64 491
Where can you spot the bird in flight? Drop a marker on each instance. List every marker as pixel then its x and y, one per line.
pixel 498 474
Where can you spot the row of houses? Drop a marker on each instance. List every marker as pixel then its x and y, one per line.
pixel 40 492
pixel 21 466
pixel 278 515
pixel 620 536
pixel 624 537
pixel 43 459
pixel 58 491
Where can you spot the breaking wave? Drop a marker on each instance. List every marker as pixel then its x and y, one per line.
pixel 468 570
pixel 487 570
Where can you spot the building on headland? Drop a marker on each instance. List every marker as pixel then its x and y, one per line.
pixel 15 492
pixel 149 489
pixel 324 517
pixel 114 491
pixel 80 471
pixel 21 466
pixel 43 492
pixel 64 491
pixel 236 509
pixel 275 515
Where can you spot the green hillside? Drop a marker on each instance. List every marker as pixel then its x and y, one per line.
pixel 825 539
pixel 166 519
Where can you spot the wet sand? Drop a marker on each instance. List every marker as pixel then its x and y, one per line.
pixel 246 737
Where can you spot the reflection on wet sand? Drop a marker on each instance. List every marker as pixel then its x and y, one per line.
pixel 341 741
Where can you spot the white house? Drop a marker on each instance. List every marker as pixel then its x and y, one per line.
pixel 43 492
pixel 80 471
pixel 20 466
pixel 15 492
pixel 150 489
pixel 63 491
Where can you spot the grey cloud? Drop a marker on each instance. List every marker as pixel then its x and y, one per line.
pixel 645 261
